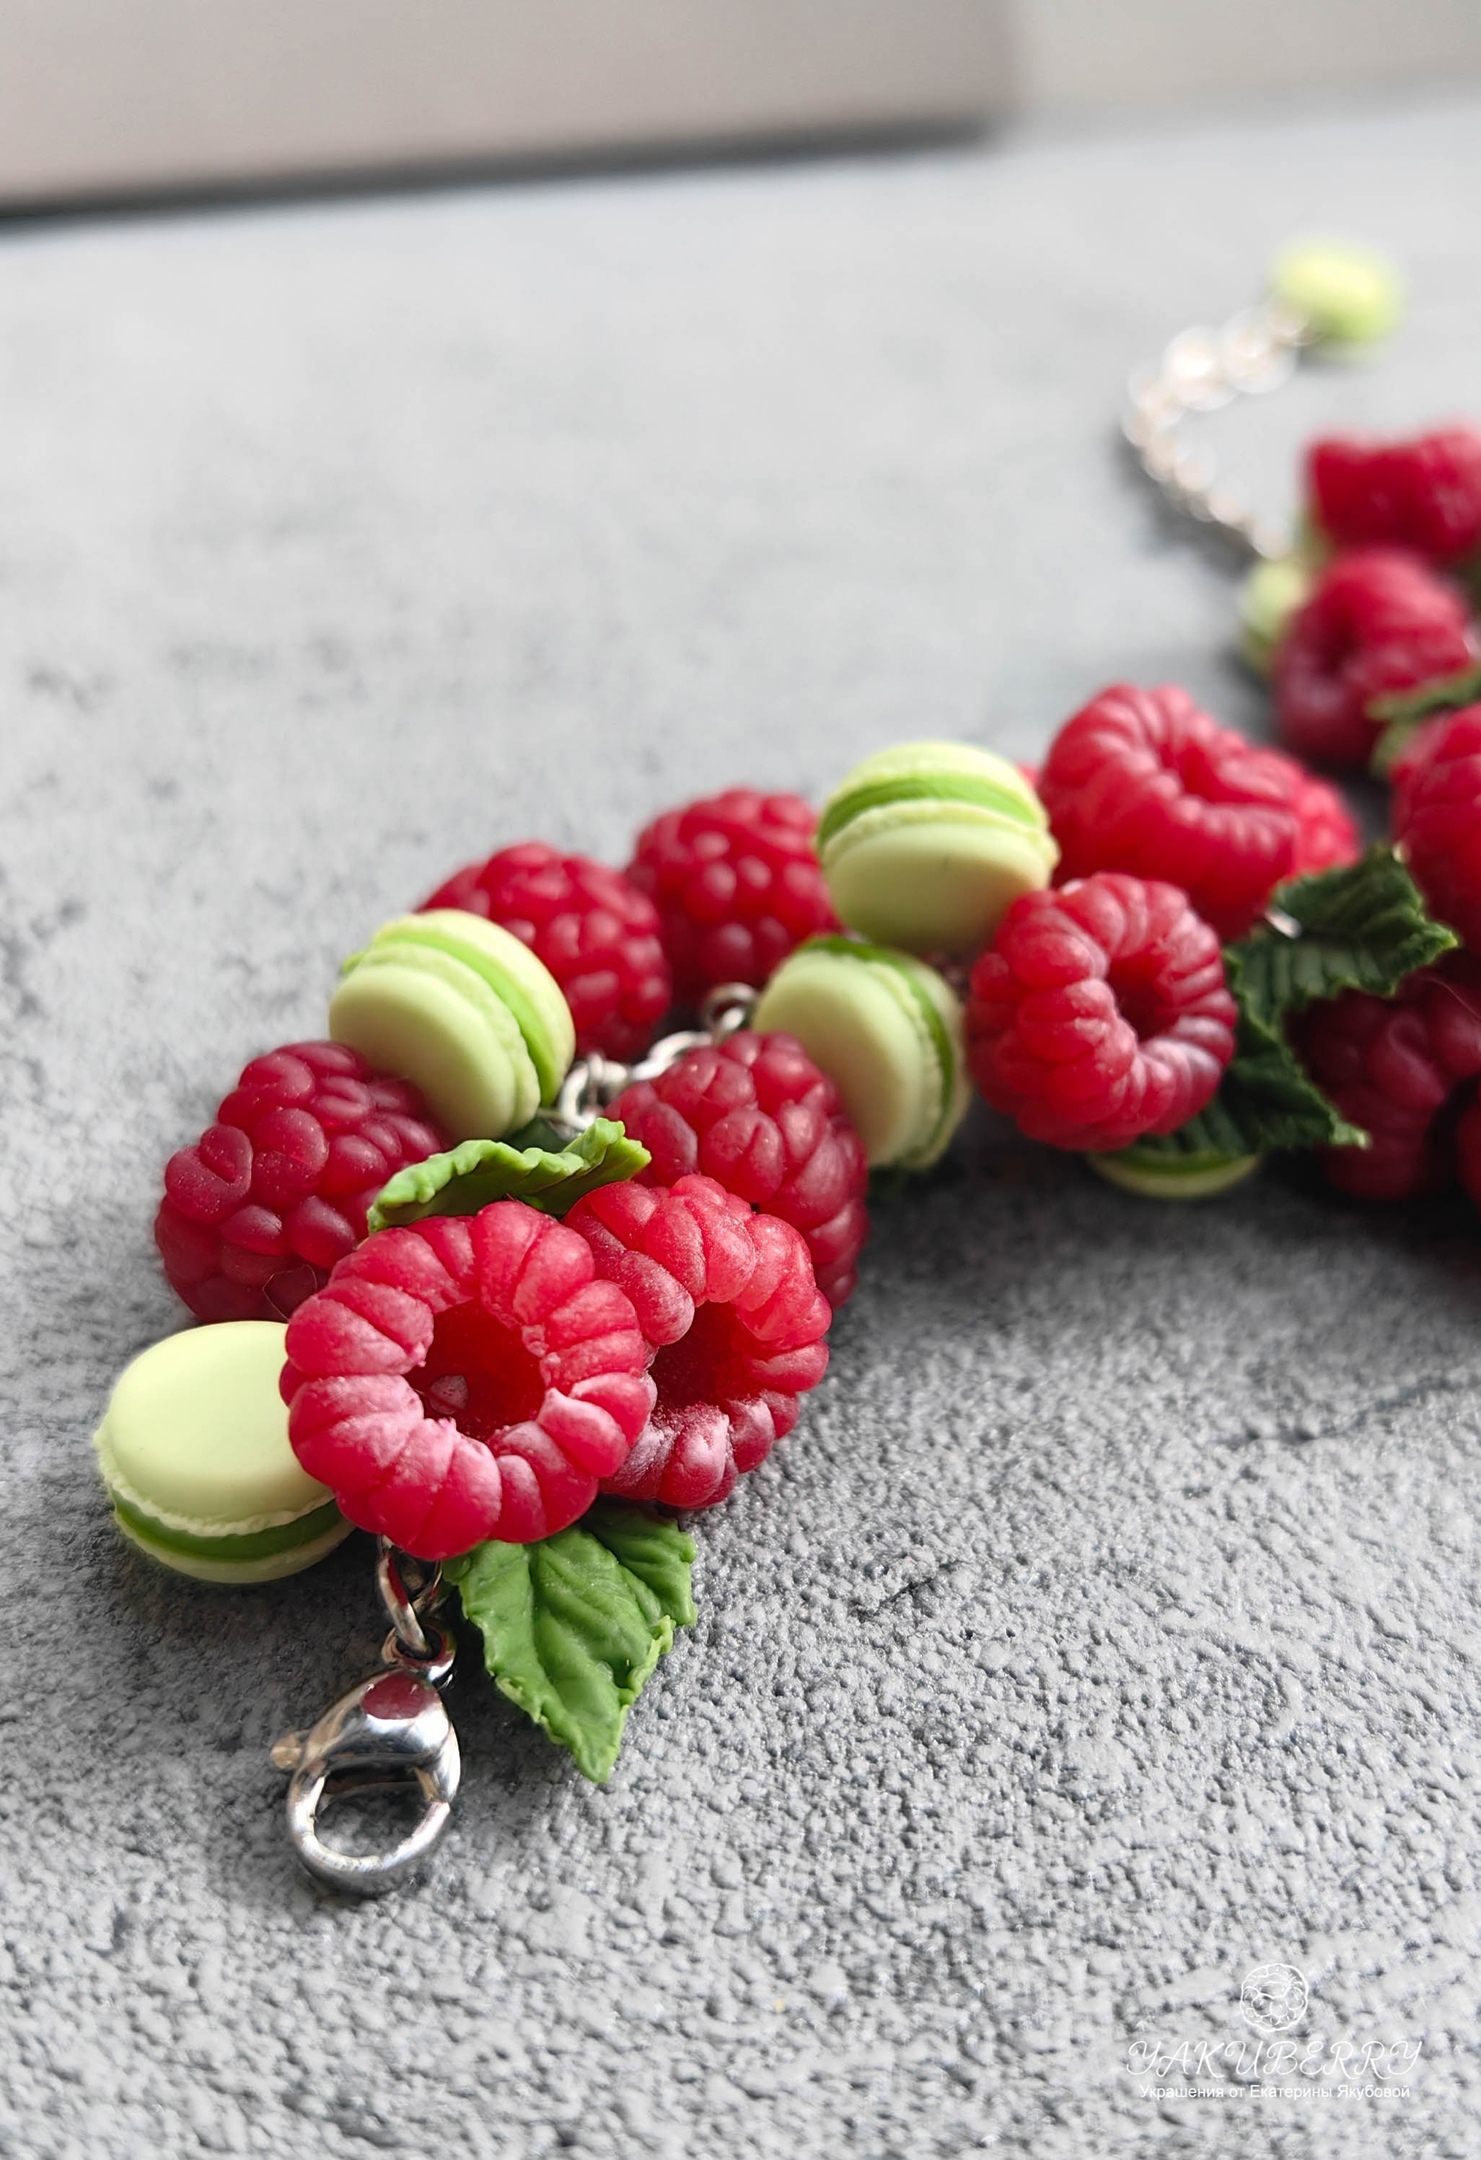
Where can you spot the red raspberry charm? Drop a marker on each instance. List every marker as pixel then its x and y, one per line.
pixel 1100 1013
pixel 1378 622
pixel 597 934
pixel 755 1114
pixel 727 1299
pixel 736 882
pixel 1423 494
pixel 1437 817
pixel 1326 837
pixel 466 1378
pixel 1398 1067
pixel 1142 781
pixel 258 1211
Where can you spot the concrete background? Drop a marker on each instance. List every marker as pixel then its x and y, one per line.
pixel 1110 1625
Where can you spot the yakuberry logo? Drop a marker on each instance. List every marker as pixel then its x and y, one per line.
pixel 1273 1998
pixel 1278 2062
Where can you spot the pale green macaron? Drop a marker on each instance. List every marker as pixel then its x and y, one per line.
pixel 887 1030
pixel 1154 1175
pixel 1271 595
pixel 194 1453
pixel 1348 295
pixel 925 846
pixel 463 1010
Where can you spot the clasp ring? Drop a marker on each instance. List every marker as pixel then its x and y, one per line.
pixel 391 1731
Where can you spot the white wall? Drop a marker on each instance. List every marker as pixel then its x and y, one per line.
pixel 104 94
pixel 1081 55
pixel 147 93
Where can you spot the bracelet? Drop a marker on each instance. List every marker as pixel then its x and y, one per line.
pixel 520 1277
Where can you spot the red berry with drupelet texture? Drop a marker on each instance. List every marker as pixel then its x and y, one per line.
pixel 755 1113
pixel 1100 1013
pixel 277 1188
pixel 466 1377
pixel 728 1302
pixel 1144 782
pixel 1379 622
pixel 1404 1070
pixel 1423 494
pixel 737 885
pixel 597 934
pixel 1437 817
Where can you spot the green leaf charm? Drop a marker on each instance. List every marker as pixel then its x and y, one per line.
pixel 532 1165
pixel 1402 711
pixel 573 1626
pixel 1362 928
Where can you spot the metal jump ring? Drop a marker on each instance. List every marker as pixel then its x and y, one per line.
pixel 403 1611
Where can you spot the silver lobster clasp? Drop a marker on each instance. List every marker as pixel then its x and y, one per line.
pixel 392 1730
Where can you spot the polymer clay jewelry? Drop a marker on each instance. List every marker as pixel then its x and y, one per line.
pixel 520 1286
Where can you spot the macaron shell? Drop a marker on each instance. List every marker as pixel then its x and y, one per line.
pixel 958 1092
pixel 859 1020
pixel 933 876
pixel 1194 1177
pixel 420 1013
pixel 913 760
pixel 512 971
pixel 195 1441
pixel 270 1567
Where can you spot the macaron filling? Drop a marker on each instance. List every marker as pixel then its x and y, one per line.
pixel 972 789
pixel 228 1544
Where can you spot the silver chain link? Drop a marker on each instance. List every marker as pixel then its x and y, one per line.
pixel 1203 369
pixel 595 1082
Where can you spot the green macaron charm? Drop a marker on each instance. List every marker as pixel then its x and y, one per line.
pixel 1159 1174
pixel 194 1454
pixel 887 1030
pixel 464 1011
pixel 1348 296
pixel 926 846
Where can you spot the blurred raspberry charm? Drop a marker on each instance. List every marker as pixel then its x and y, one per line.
pixel 1378 622
pixel 1400 1069
pixel 1423 494
pixel 1437 817
pixel 1142 781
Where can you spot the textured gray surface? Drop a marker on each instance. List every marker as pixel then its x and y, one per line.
pixel 1111 1624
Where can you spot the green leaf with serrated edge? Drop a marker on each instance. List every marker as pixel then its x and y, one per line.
pixel 1265 1100
pixel 522 1167
pixel 1441 693
pixel 1359 928
pixel 1404 712
pixel 574 1625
